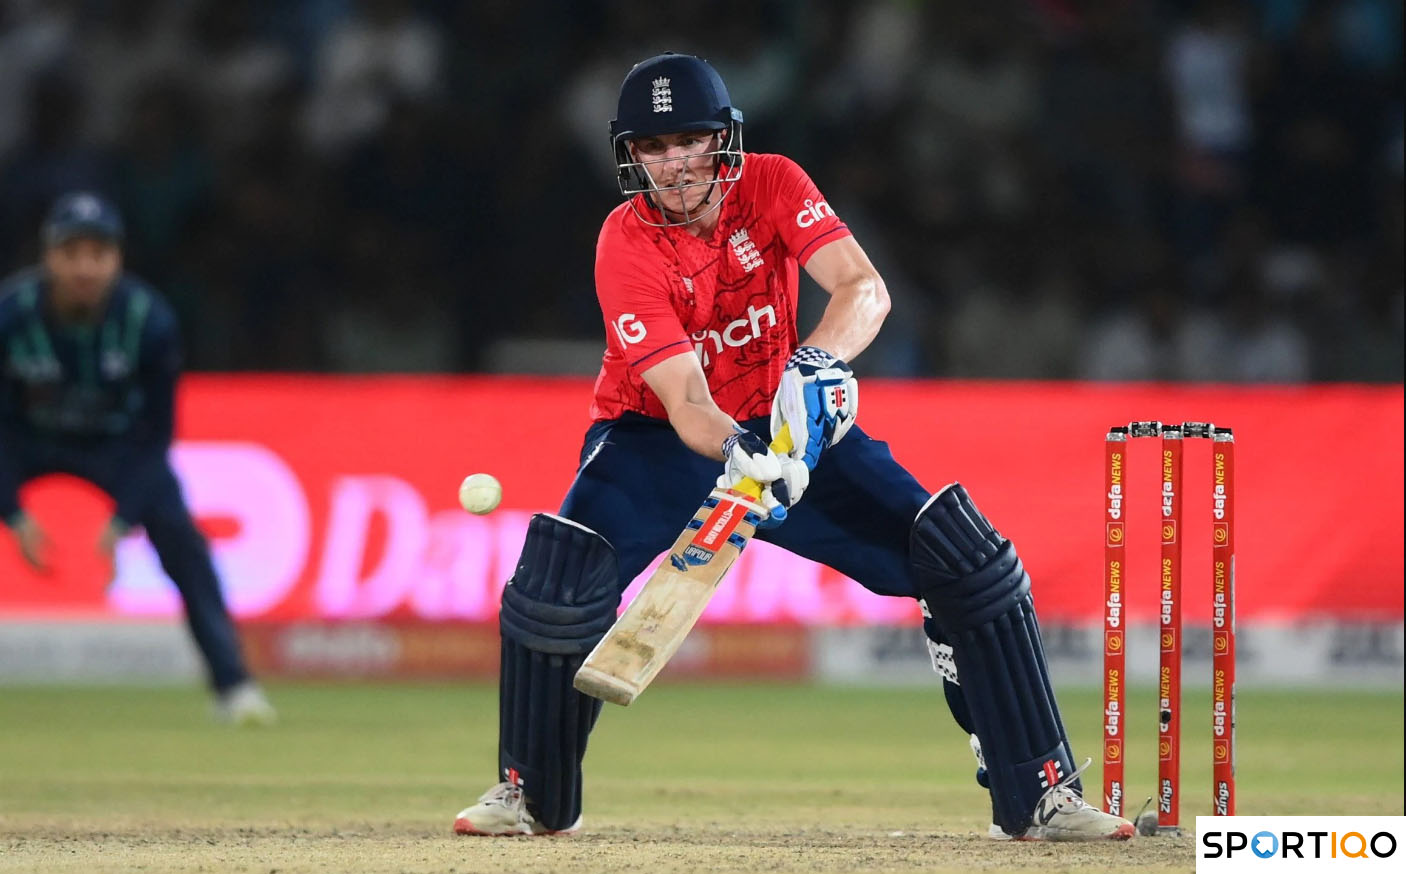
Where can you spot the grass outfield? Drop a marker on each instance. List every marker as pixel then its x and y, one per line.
pixel 689 779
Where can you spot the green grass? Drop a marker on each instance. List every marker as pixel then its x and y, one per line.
pixel 402 759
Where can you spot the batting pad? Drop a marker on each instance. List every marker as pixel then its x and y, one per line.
pixel 560 602
pixel 979 595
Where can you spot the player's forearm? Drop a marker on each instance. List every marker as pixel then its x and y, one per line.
pixel 679 383
pixel 702 427
pixel 852 318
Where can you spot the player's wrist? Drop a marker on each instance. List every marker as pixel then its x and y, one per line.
pixel 814 356
pixel 730 441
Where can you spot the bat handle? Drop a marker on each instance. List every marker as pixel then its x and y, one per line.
pixel 781 444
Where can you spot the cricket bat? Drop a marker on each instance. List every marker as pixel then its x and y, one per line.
pixel 655 624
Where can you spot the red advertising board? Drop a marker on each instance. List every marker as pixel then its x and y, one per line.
pixel 334 498
pixel 427 650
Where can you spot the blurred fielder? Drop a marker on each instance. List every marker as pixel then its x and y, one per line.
pixel 89 358
pixel 697 279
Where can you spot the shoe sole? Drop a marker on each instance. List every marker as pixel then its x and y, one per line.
pixel 466 828
pixel 1124 832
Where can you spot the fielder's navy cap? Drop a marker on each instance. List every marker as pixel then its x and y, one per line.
pixel 82 214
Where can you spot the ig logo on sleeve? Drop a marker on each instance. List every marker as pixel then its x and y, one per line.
pixel 629 329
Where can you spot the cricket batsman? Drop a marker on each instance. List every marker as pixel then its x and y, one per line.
pixel 696 274
pixel 89 358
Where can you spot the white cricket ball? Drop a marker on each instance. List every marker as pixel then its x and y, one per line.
pixel 480 493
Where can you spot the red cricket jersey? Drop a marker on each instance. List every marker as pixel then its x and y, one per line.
pixel 729 299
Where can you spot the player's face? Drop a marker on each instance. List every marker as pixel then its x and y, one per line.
pixel 674 161
pixel 82 270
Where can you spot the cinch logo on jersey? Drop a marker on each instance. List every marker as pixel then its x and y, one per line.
pixel 629 329
pixel 1299 843
pixel 815 210
pixel 732 335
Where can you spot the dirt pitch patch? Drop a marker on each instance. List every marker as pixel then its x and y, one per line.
pixel 680 849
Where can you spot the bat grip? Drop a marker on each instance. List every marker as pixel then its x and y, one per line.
pixel 780 445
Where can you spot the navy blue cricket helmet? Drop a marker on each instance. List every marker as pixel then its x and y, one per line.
pixel 674 93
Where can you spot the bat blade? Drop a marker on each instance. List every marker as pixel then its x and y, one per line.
pixel 655 624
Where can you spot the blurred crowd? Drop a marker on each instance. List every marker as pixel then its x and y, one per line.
pixel 1104 189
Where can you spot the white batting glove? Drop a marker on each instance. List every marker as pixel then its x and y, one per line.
pixel 783 479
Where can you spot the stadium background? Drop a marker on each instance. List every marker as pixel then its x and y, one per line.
pixel 1074 191
pixel 376 220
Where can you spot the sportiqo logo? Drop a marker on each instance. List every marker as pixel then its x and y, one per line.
pixel 1298 843
pixel 815 210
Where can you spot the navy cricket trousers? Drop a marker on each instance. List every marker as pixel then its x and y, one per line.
pixel 638 484
pixel 182 548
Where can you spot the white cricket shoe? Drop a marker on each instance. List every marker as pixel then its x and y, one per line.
pixel 502 812
pixel 243 705
pixel 1062 814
